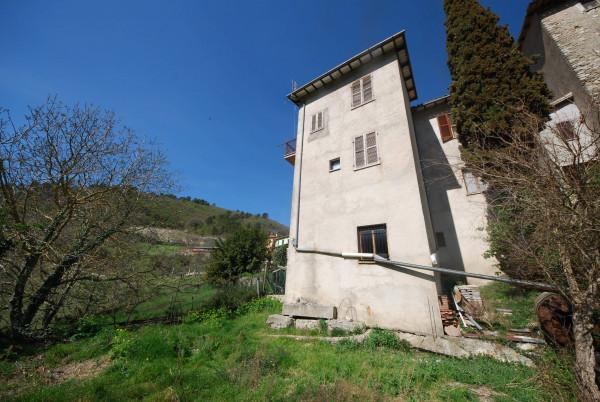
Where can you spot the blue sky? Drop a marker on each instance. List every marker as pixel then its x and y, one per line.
pixel 207 80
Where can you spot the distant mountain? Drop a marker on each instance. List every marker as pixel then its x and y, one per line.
pixel 197 216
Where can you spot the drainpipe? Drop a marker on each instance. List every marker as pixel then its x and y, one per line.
pixel 295 242
pixel 384 261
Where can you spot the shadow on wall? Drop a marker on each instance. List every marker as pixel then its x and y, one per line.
pixel 439 178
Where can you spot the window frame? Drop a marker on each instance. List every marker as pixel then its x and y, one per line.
pixel 361 87
pixel 479 183
pixel 448 124
pixel 558 127
pixel 372 228
pixel 365 149
pixel 314 121
pixel 339 162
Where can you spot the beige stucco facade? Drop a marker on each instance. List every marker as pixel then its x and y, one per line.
pixel 459 217
pixel 328 207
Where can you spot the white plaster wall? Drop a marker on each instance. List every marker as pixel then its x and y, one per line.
pixel 334 204
pixel 581 149
pixel 461 217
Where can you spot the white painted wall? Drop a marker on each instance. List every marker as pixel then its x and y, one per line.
pixel 334 204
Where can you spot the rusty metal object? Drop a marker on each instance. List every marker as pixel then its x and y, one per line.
pixel 555 316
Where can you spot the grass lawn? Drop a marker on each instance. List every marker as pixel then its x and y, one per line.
pixel 224 358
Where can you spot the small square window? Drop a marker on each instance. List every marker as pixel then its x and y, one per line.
pixel 334 165
pixel 473 183
pixel 373 239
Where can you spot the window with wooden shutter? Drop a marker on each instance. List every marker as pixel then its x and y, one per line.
pixel 367 89
pixel 356 94
pixel 565 130
pixel 371 145
pixel 359 152
pixel 317 121
pixel 362 91
pixel 445 126
pixel 365 150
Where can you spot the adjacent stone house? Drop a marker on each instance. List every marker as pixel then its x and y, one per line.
pixel 373 174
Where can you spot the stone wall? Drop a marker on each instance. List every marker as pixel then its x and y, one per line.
pixel 576 33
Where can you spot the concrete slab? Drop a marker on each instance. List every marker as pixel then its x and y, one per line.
pixel 307 324
pixel 278 321
pixel 310 310
pixel 464 347
pixel 343 325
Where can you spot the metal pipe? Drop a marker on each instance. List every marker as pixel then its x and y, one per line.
pixel 295 242
pixel 378 259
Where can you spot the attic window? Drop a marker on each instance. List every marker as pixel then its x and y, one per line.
pixel 362 91
pixel 590 5
pixel 317 122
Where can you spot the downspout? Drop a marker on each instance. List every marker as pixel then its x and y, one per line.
pixel 295 242
pixel 384 261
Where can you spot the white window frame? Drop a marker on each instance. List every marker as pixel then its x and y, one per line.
pixel 363 138
pixel 480 185
pixel 339 163
pixel 360 82
pixel 314 121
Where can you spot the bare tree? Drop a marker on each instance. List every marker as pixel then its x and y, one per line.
pixel 70 178
pixel 550 186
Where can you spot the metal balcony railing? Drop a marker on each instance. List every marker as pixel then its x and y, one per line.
pixel 289 148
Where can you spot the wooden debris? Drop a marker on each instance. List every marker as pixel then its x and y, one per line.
pixel 525 339
pixel 448 315
pixel 470 300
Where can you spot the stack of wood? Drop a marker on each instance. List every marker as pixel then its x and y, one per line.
pixel 447 312
pixel 469 298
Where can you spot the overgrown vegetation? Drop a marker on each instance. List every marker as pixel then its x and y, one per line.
pixel 543 178
pixel 244 251
pixel 229 356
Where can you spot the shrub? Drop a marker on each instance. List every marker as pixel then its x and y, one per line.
pixel 243 252
pixel 230 298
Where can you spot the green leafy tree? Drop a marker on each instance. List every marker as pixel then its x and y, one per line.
pixel 491 78
pixel 280 256
pixel 242 252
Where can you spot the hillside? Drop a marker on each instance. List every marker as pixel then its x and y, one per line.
pixel 197 216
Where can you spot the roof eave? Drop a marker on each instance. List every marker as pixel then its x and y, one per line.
pixel 396 42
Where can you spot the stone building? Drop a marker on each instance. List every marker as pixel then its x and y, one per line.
pixel 375 175
pixel 563 37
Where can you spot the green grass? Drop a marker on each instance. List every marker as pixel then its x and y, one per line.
pixel 520 301
pixel 233 358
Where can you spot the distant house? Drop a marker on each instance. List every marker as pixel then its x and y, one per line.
pixel 373 174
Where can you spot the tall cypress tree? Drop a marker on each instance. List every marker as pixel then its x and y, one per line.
pixel 491 78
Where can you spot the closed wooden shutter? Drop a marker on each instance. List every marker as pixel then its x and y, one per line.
pixel 359 152
pixel 356 93
pixel 313 125
pixel 319 120
pixel 445 126
pixel 367 89
pixel 371 143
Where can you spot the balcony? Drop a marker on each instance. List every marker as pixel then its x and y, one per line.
pixel 289 151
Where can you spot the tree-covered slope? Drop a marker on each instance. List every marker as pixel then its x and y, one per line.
pixel 198 216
